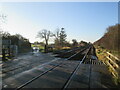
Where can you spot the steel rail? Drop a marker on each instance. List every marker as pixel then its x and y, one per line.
pixel 75 70
pixel 22 66
pixel 21 86
pixel 31 80
pixel 72 50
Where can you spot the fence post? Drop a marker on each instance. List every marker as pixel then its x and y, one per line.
pixel 3 55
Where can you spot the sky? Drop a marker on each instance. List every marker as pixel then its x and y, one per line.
pixel 85 21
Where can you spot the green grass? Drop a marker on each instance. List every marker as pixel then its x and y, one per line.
pixel 101 53
pixel 40 47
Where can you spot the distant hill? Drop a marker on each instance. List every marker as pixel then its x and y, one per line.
pixel 110 40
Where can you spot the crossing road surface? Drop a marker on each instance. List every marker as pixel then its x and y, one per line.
pixel 46 71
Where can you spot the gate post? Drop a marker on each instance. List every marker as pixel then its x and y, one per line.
pixel 3 55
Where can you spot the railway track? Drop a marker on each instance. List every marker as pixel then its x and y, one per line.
pixel 75 70
pixel 5 65
pixel 66 73
pixel 11 68
pixel 69 53
pixel 57 66
pixel 32 64
pixel 23 66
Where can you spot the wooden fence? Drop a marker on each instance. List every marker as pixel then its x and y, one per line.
pixel 113 63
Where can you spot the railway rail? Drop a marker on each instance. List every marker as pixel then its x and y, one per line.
pixel 23 66
pixel 58 65
pixel 32 64
pixel 75 70
pixel 71 52
pixel 64 73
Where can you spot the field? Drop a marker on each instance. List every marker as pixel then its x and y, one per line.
pixel 40 47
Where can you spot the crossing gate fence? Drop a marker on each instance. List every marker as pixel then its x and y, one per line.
pixel 113 63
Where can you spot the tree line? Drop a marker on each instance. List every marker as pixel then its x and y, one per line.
pixel 59 35
pixel 60 39
pixel 110 40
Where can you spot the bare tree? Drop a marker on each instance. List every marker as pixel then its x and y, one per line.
pixel 57 33
pixel 45 34
pixel 57 40
pixel 60 38
pixel 2 20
